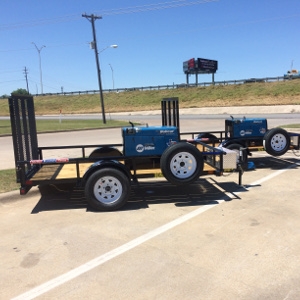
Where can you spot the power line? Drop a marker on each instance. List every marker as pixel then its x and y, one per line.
pixel 51 46
pixel 110 12
pixel 39 22
pixel 153 7
pixel 9 71
pixel 15 80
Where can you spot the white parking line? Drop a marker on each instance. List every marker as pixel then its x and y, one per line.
pixel 51 284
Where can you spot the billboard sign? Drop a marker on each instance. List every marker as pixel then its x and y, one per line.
pixel 200 65
pixel 190 65
pixel 185 66
pixel 207 65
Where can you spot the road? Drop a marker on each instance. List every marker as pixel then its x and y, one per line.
pixel 188 123
pixel 210 240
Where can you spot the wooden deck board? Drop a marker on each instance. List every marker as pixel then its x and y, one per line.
pixel 61 171
pixel 208 168
pixel 47 172
pixel 68 171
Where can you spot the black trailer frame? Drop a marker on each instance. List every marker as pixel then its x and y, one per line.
pixel 29 160
pixel 251 143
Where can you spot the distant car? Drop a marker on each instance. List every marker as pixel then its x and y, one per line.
pixel 182 85
pixel 251 80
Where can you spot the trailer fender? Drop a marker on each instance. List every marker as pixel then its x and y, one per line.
pixel 207 138
pixel 105 151
pixel 241 144
pixel 226 143
pixel 105 164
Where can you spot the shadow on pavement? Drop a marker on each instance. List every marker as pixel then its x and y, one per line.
pixel 205 191
pixel 143 194
pixel 273 163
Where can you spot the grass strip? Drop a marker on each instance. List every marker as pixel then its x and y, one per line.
pixel 8 181
pixel 64 125
pixel 267 93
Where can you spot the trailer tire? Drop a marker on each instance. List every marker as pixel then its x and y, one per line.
pixel 276 141
pixel 181 163
pixel 244 157
pixel 107 189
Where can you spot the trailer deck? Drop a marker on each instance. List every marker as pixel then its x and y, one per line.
pixel 69 171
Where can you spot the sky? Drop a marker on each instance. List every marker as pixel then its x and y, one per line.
pixel 248 38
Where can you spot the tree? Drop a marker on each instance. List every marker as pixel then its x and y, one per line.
pixel 20 92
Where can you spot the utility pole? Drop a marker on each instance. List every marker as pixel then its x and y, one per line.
pixel 92 19
pixel 26 72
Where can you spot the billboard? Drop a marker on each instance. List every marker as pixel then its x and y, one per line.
pixel 190 65
pixel 200 65
pixel 207 65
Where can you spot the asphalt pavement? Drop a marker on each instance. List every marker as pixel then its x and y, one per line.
pixel 213 239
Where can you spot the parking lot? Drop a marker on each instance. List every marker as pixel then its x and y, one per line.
pixel 213 239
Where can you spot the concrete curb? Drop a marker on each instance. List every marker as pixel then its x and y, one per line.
pixel 272 109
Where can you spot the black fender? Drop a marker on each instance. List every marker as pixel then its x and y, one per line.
pixel 207 137
pixel 105 151
pixel 226 143
pixel 105 164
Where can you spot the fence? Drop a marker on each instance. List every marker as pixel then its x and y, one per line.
pixel 164 87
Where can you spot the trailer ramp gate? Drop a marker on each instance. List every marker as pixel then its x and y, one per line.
pixel 24 134
pixel 170 112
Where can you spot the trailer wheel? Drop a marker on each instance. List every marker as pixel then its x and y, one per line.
pixel 181 163
pixel 107 189
pixel 276 141
pixel 244 156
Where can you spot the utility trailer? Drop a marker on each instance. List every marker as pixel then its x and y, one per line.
pixel 245 135
pixel 107 172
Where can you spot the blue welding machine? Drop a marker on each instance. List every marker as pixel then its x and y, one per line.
pixel 245 127
pixel 148 141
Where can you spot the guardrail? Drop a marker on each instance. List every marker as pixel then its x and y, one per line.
pixel 164 87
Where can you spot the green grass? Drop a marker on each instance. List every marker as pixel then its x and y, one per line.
pixel 56 125
pixel 272 93
pixel 293 126
pixel 5 127
pixel 64 125
pixel 8 181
